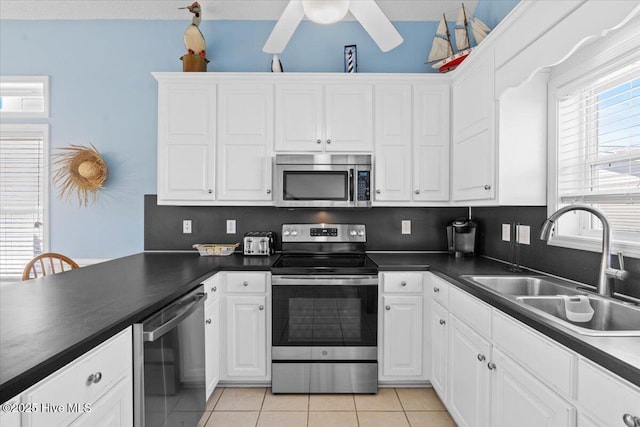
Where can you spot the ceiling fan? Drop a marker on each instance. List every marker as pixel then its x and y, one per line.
pixel 367 12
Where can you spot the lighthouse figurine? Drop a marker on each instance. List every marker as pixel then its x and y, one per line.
pixel 196 57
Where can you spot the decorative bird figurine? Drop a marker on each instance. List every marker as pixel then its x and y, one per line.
pixel 193 38
pixel 276 65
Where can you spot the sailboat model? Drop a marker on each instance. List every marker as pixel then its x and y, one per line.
pixel 442 53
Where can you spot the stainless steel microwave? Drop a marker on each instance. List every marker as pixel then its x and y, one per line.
pixel 323 180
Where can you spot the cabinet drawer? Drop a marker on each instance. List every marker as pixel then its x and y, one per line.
pixel 471 310
pixel 605 395
pixel 246 282
pixel 549 362
pixel 402 282
pixel 82 381
pixel 439 289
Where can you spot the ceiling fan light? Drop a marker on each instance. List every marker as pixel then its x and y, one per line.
pixel 325 11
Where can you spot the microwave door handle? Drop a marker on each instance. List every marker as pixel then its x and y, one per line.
pixel 351 189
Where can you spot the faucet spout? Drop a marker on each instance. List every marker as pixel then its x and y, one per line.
pixel 607 273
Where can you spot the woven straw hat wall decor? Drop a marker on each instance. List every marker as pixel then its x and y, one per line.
pixel 80 171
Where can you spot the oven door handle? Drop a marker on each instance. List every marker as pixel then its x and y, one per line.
pixel 310 280
pixel 196 301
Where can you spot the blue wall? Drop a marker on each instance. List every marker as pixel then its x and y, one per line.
pixel 102 92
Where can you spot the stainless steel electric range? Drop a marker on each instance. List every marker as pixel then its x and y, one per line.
pixel 325 311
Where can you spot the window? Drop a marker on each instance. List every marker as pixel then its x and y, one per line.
pixel 24 96
pixel 597 155
pixel 23 196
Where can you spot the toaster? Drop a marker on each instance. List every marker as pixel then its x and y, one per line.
pixel 258 243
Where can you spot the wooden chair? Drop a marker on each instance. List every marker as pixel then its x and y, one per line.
pixel 48 263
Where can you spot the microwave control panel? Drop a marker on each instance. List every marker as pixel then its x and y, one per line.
pixel 364 185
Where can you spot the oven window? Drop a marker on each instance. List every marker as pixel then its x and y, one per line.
pixel 315 185
pixel 325 315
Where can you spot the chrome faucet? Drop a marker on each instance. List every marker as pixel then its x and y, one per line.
pixel 607 273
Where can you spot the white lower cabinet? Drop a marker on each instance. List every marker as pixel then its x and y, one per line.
pixel 439 349
pixel 246 331
pixel 468 385
pixel 93 390
pixel 212 334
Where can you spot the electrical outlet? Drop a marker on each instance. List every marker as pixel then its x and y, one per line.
pixel 524 234
pixel 506 232
pixel 231 226
pixel 186 226
pixel 406 226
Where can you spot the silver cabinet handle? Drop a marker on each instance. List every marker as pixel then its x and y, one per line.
pixel 378 191
pixel 210 191
pixel 214 289
pixel 318 141
pixel 630 420
pixel 261 307
pixel 208 321
pixel 487 187
pixel 94 378
pixel 388 308
pixel 443 322
pixel 491 366
pixel 403 283
pixel 417 191
pixel 268 191
pixel 481 357
pixel 436 289
pixel 328 141
pixel 245 283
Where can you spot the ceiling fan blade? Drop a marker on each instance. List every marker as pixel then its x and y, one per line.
pixel 285 27
pixel 376 23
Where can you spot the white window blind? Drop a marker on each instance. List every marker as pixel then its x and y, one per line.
pixel 22 196
pixel 599 146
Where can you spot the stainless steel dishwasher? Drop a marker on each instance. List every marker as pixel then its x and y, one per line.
pixel 169 376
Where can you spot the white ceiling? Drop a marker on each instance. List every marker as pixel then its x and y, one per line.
pixel 396 10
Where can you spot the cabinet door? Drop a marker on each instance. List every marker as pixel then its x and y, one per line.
pixel 468 387
pixel 439 350
pixel 212 346
pixel 473 132
pixel 431 143
pixel 402 336
pixel 113 409
pixel 349 117
pixel 393 143
pixel 245 141
pixel 299 117
pixel 186 142
pixel 519 399
pixel 246 330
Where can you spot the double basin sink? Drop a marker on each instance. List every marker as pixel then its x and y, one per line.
pixel 566 303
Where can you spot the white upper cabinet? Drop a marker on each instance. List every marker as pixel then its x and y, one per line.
pixel 412 143
pixel 324 117
pixel 245 141
pixel 186 142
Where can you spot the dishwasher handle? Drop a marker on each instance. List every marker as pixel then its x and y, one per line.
pixel 197 300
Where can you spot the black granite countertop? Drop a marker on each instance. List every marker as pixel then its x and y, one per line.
pixel 46 323
pixel 620 355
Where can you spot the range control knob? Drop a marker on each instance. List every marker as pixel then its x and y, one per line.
pixel 361 233
pixel 286 232
pixel 353 232
pixel 294 233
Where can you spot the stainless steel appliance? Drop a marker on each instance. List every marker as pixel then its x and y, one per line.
pixel 323 180
pixel 325 311
pixel 169 377
pixel 258 243
pixel 461 235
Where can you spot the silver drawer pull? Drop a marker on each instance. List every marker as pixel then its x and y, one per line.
pixel 630 420
pixel 388 307
pixel 208 321
pixel 245 283
pixel 318 141
pixel 491 366
pixel 443 322
pixel 436 289
pixel 487 187
pixel 403 283
pixel 94 378
pixel 261 307
pixel 214 289
pixel 481 357
pixel 268 191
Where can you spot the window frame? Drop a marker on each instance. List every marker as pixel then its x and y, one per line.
pixel 601 57
pixel 28 114
pixel 35 130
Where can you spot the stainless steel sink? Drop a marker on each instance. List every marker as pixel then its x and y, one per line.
pixel 523 285
pixel 610 317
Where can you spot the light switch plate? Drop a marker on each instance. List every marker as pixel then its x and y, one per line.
pixel 524 234
pixel 186 226
pixel 506 232
pixel 231 226
pixel 406 226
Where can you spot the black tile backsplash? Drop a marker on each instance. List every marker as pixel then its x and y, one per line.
pixel 163 224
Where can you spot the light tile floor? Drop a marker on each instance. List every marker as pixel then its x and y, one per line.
pixel 391 407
